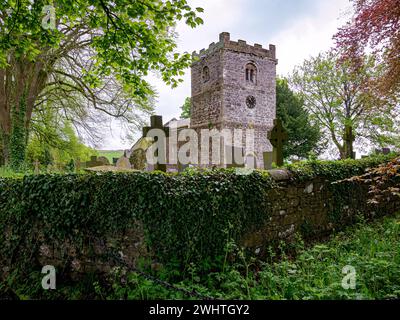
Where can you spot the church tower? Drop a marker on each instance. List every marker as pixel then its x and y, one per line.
pixel 233 87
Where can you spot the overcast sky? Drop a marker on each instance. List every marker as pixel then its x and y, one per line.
pixel 298 28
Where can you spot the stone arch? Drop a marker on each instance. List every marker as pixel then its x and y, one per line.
pixel 251 72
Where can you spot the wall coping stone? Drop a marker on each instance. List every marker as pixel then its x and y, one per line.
pixel 279 174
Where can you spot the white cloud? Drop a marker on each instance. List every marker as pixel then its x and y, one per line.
pixel 310 35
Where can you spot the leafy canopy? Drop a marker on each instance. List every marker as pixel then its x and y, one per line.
pixel 336 97
pixel 129 37
pixel 375 25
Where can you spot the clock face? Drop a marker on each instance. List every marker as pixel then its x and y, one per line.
pixel 251 102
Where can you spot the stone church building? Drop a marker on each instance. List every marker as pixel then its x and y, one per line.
pixel 233 87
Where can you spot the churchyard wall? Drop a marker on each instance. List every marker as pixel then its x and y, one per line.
pixel 79 222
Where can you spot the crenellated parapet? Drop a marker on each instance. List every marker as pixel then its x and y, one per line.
pixel 237 46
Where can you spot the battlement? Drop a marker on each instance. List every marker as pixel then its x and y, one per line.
pixel 237 46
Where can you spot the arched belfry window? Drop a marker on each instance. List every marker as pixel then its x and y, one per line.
pixel 206 74
pixel 251 73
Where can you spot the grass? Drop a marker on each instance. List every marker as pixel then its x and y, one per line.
pixel 373 250
pixel 314 272
pixel 7 172
pixel 110 154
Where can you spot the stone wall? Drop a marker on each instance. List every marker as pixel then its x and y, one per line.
pixel 313 210
pixel 96 256
pixel 306 207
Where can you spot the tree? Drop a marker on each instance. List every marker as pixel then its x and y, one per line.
pixel 341 102
pixel 186 108
pixel 96 54
pixel 53 140
pixel 303 136
pixel 376 25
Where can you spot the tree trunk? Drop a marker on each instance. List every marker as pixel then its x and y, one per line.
pixel 4 149
pixel 18 138
pixel 5 120
pixel 348 140
pixel 20 85
pixel 348 147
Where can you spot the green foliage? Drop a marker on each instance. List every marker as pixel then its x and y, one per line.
pixel 306 273
pixel 193 218
pixel 112 46
pixel 142 26
pixel 56 144
pixel 342 192
pixel 303 136
pixel 70 167
pixel 7 172
pixel 97 204
pixel 335 97
pixel 2 162
pixel 334 170
pixel 186 108
pixel 315 272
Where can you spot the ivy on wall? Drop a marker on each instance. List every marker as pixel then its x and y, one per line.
pixel 186 217
pixel 334 170
pixel 343 191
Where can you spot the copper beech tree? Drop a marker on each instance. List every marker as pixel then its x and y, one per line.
pixel 375 25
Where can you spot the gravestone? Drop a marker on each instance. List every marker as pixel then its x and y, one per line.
pixel 251 161
pixel 277 136
pixel 237 157
pixel 94 162
pixel 103 160
pixel 123 163
pixel 149 167
pixel 384 151
pixel 138 159
pixel 157 123
pixel 268 159
pixel 37 167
